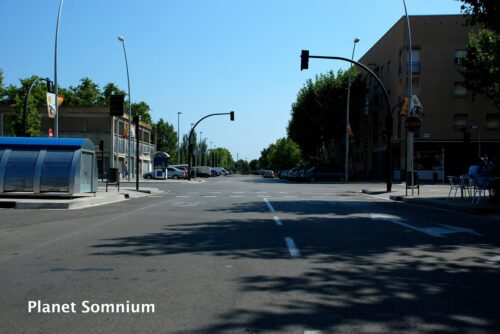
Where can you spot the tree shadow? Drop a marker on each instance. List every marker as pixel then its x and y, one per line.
pixel 355 274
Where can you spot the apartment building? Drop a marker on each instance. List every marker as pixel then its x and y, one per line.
pixel 96 124
pixel 456 129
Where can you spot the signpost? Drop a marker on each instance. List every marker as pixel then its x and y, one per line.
pixel 412 124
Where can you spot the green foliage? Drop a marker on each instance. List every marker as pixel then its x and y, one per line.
pixel 221 157
pixel 87 93
pixel 142 109
pixel 285 153
pixel 242 166
pixel 254 165
pixel 108 90
pixel 318 116
pixel 2 89
pixel 482 65
pixel 486 12
pixel 166 138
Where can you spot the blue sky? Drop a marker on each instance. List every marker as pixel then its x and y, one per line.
pixel 199 56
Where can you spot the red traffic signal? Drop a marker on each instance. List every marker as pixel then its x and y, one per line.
pixel 304 60
pixel 231 115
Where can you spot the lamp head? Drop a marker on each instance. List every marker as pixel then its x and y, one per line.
pixel 121 38
pixel 356 40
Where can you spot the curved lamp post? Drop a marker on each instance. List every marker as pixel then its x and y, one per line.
pixel 305 65
pixel 56 123
pixel 356 40
pixel 178 137
pixel 190 145
pixel 49 90
pixel 122 39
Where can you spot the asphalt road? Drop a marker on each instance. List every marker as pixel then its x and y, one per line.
pixel 249 255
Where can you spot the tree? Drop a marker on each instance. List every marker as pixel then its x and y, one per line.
pixel 108 90
pixel 142 109
pixel 16 96
pixel 254 164
pixel 482 63
pixel 283 154
pixel 221 157
pixel 166 138
pixel 87 93
pixel 2 89
pixel 318 116
pixel 242 166
pixel 485 12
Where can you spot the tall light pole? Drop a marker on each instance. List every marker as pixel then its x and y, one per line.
pixel 178 137
pixel 409 67
pixel 122 39
pixel 199 148
pixel 356 40
pixel 56 123
pixel 212 153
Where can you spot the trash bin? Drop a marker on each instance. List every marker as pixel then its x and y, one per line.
pixel 113 178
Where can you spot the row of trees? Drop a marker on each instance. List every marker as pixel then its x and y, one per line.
pixel 317 125
pixel 316 130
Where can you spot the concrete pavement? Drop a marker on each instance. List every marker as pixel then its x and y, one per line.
pixel 434 195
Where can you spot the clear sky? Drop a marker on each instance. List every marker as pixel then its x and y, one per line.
pixel 199 56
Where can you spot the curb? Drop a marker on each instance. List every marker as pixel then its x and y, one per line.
pixel 442 204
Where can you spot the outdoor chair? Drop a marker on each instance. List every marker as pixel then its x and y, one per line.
pixel 480 186
pixel 465 186
pixel 455 184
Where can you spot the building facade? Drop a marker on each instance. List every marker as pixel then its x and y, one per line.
pixel 456 129
pixel 96 124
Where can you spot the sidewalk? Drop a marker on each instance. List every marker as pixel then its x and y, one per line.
pixel 78 202
pixel 434 195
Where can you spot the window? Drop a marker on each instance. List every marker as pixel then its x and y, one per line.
pixel 460 90
pixel 459 56
pixel 415 61
pixel 460 121
pixel 492 121
pixel 415 86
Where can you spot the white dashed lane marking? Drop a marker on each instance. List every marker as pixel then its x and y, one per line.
pixel 292 248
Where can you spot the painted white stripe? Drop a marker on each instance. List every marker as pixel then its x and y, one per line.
pixel 313 332
pixel 270 207
pixel 292 248
pixel 238 192
pixel 291 196
pixel 284 192
pixel 215 192
pixel 210 196
pixel 278 221
pixel 183 196
pixel 236 196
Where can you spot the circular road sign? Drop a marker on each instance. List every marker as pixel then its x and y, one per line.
pixel 412 124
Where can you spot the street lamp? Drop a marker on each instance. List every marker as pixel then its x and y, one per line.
pixel 178 137
pixel 122 39
pixel 409 67
pixel 199 151
pixel 356 40
pixel 56 123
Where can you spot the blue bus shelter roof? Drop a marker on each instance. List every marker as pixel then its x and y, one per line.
pixel 33 142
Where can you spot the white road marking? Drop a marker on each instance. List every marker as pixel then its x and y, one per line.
pixel 238 192
pixel 283 192
pixel 292 248
pixel 210 196
pixel 183 196
pixel 270 207
pixel 278 221
pixel 313 332
pixel 155 196
pixel 291 196
pixel 434 231
pixel 215 192
pixel 236 196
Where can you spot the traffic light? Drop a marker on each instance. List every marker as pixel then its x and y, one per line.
pixel 116 105
pixel 304 60
pixel 404 107
pixel 50 86
pixel 231 115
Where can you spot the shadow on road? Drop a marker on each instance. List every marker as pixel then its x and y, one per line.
pixel 355 274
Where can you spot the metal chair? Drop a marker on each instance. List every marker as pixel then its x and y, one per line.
pixel 454 185
pixel 481 185
pixel 465 186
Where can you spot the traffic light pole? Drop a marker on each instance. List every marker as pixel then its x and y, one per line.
pixel 190 146
pixel 49 90
pixel 305 65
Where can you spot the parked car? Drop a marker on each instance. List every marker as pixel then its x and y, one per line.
pixel 214 172
pixel 203 171
pixel 176 173
pixel 222 171
pixel 268 174
pixel 323 174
